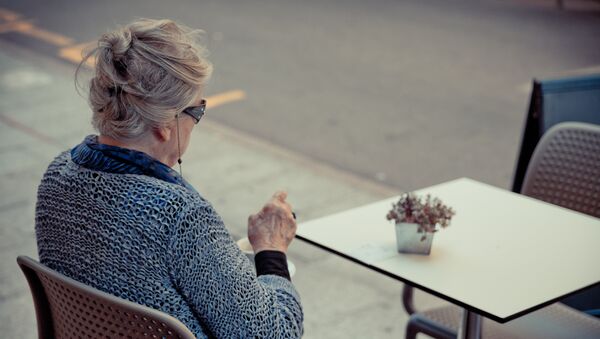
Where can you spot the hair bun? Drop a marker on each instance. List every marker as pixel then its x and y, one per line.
pixel 118 42
pixel 140 85
pixel 112 52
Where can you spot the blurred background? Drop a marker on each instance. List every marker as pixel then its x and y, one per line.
pixel 367 97
pixel 409 93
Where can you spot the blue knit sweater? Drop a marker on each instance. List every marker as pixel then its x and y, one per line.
pixel 160 244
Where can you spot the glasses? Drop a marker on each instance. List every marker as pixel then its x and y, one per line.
pixel 196 112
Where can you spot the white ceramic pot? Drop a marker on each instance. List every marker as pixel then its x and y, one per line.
pixel 408 240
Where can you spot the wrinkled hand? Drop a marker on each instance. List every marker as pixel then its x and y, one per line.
pixel 273 227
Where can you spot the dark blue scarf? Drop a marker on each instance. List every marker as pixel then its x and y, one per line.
pixel 112 159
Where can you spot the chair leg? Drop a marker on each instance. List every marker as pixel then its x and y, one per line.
pixel 407 299
pixel 418 323
pixel 411 330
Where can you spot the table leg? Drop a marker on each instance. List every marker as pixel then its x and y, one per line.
pixel 471 326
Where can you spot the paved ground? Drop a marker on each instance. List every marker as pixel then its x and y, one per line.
pixel 411 93
pixel 40 115
pixel 408 93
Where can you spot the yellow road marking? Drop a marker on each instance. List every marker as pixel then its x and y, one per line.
pixel 50 37
pixel 11 26
pixel 28 28
pixel 224 98
pixel 7 15
pixel 75 53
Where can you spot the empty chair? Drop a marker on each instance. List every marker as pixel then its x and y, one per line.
pixel 554 101
pixel 66 308
pixel 555 321
pixel 564 170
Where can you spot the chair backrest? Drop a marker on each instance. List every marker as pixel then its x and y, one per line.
pixel 66 308
pixel 554 101
pixel 565 168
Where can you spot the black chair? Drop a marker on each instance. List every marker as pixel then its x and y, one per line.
pixel 552 102
pixel 66 308
pixel 564 170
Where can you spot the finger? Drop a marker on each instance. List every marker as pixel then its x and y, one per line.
pixel 286 209
pixel 252 219
pixel 282 203
pixel 268 208
pixel 280 195
pixel 283 206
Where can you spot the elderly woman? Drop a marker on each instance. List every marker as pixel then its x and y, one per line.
pixel 111 212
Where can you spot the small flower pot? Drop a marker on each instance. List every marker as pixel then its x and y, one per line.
pixel 408 240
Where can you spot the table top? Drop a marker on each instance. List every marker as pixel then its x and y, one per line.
pixel 503 256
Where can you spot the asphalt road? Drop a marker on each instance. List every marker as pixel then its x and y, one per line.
pixel 409 93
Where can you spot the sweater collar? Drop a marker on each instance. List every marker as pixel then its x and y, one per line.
pixel 112 159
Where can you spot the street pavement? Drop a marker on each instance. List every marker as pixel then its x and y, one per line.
pixel 41 114
pixel 410 93
pixel 337 94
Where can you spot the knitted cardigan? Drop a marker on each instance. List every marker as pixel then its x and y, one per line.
pixel 158 244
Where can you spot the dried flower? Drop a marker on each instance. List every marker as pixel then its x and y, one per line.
pixel 427 213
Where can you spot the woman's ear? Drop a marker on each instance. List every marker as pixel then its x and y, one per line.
pixel 163 134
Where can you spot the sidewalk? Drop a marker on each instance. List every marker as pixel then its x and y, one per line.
pixel 42 115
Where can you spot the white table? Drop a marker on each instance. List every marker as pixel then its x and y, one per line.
pixel 504 255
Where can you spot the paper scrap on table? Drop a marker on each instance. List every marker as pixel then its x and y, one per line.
pixel 371 254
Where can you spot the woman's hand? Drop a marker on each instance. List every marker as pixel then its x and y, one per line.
pixel 273 227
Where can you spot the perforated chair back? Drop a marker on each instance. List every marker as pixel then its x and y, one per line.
pixel 66 308
pixel 565 168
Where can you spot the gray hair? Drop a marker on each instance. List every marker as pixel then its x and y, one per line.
pixel 145 73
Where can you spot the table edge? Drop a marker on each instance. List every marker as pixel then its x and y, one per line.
pixel 443 296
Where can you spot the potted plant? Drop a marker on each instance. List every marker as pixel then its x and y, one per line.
pixel 417 220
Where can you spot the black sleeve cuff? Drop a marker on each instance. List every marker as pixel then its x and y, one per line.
pixel 271 262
